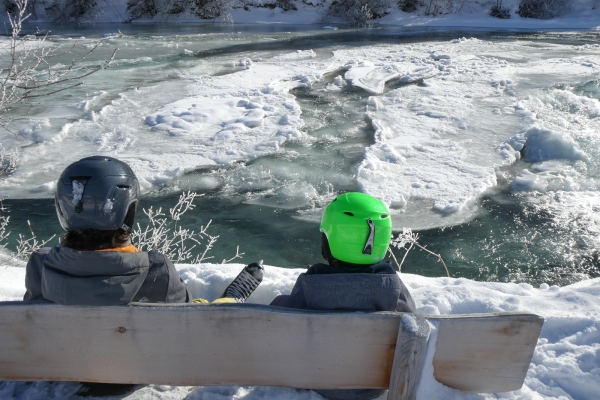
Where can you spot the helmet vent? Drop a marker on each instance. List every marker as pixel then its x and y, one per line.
pixel 349 213
pixel 124 186
pixel 384 216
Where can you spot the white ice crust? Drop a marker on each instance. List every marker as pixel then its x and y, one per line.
pixel 452 114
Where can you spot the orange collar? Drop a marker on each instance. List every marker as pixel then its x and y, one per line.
pixel 125 249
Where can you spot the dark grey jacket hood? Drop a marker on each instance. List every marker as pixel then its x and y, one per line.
pixel 100 278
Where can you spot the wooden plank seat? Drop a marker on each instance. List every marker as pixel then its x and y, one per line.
pixel 250 344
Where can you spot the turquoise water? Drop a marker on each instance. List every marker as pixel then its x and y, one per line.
pixel 512 237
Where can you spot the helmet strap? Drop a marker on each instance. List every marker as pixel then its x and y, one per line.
pixel 368 249
pixel 325 250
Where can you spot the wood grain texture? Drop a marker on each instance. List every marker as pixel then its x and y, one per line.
pixel 485 353
pixel 253 345
pixel 199 345
pixel 409 358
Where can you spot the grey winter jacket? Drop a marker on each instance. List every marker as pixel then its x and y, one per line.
pixel 326 287
pixel 66 276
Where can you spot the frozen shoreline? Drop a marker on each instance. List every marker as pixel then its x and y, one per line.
pixel 581 16
pixel 565 364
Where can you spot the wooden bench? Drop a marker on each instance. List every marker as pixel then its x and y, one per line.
pixel 229 344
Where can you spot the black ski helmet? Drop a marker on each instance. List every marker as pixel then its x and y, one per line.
pixel 97 193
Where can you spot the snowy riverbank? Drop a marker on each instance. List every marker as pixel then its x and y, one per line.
pixel 566 363
pixel 580 14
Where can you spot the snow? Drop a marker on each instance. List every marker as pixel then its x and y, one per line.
pixel 460 110
pixel 565 364
pixel 446 114
pixel 474 14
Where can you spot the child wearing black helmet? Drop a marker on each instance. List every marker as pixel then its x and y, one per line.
pixel 356 232
pixel 96 263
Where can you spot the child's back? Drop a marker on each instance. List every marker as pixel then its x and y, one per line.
pixel 356 232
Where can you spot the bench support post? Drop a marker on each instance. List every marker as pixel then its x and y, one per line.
pixel 409 357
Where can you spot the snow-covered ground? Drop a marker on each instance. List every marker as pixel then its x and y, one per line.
pixel 566 363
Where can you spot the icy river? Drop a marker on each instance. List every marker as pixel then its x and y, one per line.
pixel 487 144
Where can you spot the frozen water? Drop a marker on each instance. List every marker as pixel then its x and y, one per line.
pixel 438 129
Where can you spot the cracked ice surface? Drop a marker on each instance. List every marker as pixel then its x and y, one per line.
pixel 446 117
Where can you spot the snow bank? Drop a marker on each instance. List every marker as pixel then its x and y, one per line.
pixel 474 14
pixel 565 364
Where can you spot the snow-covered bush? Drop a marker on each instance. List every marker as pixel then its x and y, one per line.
pixel 210 9
pixel 11 7
pixel 25 57
pixel 205 9
pixel 137 9
pixel 358 12
pixel 163 235
pixel 408 5
pixel 499 10
pixel 543 9
pixel 8 161
pixel 285 5
pixel 437 7
pixel 63 11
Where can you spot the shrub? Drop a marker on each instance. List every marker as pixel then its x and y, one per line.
pixel 210 9
pixel 286 5
pixel 543 9
pixel 63 11
pixel 205 9
pixel 163 235
pixel 408 5
pixel 500 11
pixel 436 7
pixel 358 12
pixel 8 161
pixel 141 9
pixel 10 7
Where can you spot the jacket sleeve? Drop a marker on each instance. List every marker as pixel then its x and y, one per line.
pixel 295 299
pixel 33 275
pixel 162 284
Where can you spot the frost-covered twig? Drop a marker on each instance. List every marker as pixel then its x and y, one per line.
pixel 163 235
pixel 27 246
pixel 27 73
pixel 4 233
pixel 8 161
pixel 407 237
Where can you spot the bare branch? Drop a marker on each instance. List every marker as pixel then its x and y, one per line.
pixel 407 237
pixel 163 235
pixel 28 73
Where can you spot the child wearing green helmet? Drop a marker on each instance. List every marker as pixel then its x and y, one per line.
pixel 356 232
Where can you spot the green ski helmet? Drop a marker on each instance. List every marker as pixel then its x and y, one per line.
pixel 358 228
